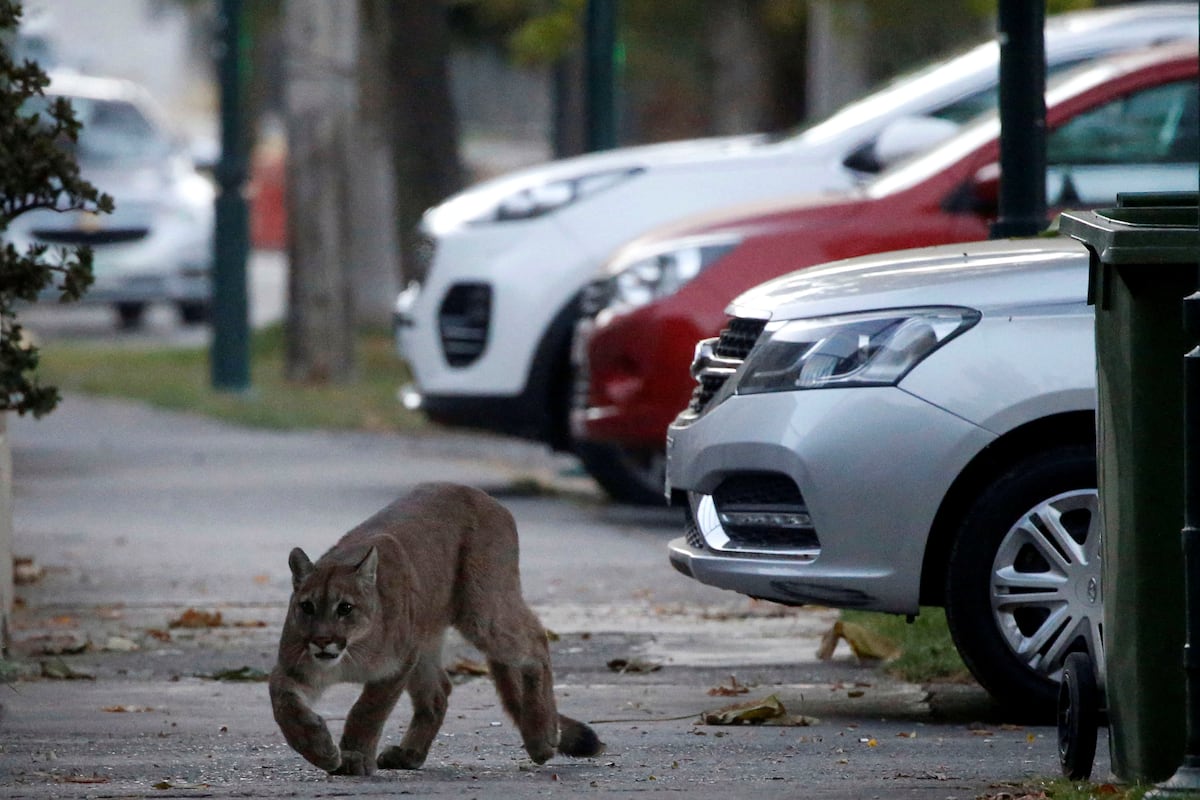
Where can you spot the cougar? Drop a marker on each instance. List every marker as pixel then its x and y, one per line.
pixel 374 610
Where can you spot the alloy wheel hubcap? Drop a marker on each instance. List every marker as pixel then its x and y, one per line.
pixel 1047 600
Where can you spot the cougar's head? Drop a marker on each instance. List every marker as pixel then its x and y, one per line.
pixel 332 606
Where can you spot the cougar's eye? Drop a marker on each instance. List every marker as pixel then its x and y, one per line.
pixel 344 609
pixel 307 608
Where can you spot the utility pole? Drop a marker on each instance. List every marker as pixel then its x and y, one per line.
pixel 230 351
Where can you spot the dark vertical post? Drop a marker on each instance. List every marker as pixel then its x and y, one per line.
pixel 1022 118
pixel 601 36
pixel 230 351
pixel 1186 780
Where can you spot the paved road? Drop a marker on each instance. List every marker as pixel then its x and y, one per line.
pixel 137 516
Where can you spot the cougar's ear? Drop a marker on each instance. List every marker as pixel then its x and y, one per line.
pixel 365 570
pixel 300 565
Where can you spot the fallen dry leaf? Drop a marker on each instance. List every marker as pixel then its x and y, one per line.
pixel 730 689
pixel 262 580
pixel 26 571
pixel 82 779
pixel 194 618
pixel 624 665
pixel 240 674
pixel 864 643
pixel 250 623
pixel 164 785
pixel 159 634
pixel 120 644
pixel 765 711
pixel 57 669
pixel 127 709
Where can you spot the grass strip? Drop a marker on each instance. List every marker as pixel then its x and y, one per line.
pixel 177 378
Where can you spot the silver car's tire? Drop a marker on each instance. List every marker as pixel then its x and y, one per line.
pixel 1023 581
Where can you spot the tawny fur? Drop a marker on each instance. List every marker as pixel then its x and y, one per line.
pixel 374 610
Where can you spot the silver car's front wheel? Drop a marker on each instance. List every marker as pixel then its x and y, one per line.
pixel 1023 578
pixel 1046 594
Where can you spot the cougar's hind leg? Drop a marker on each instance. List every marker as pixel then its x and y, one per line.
pixel 428 688
pixel 364 723
pixel 520 667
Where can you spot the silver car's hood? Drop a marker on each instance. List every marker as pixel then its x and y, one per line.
pixel 989 275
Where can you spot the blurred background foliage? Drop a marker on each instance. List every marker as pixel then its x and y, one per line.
pixel 669 51
pixel 669 59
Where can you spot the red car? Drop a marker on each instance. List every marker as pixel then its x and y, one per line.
pixel 1127 124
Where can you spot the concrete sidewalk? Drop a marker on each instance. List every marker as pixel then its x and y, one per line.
pixel 142 519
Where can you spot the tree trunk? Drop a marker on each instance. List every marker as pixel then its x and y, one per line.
pixel 739 67
pixel 320 101
pixel 413 42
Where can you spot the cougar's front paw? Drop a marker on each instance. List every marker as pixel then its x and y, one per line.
pixel 354 763
pixel 401 758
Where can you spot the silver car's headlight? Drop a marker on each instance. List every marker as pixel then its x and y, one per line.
pixel 872 349
pixel 534 201
pixel 648 276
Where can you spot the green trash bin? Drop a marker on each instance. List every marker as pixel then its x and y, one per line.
pixel 1144 262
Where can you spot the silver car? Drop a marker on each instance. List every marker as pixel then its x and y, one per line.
pixel 908 429
pixel 157 245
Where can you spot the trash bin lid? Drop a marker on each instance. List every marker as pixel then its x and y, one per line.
pixel 1144 228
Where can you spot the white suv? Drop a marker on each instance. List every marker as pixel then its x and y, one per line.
pixel 487 334
pixel 912 428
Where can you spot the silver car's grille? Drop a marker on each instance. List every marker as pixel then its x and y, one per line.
pixel 463 322
pixel 714 366
pixel 691 530
pixel 596 296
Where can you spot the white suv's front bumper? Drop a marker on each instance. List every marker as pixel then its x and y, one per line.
pixel 871 467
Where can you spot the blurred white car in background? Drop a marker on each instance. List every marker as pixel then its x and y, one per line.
pixel 157 245
pixel 487 333
pixel 907 429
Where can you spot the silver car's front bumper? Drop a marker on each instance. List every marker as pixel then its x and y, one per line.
pixel 871 466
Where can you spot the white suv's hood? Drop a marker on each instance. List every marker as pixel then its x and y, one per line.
pixel 468 204
pixel 986 276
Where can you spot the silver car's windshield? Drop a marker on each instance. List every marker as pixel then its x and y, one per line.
pixel 114 131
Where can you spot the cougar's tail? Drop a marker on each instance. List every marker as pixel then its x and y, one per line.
pixel 576 739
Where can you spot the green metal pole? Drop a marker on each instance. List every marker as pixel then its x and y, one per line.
pixel 1022 118
pixel 601 33
pixel 230 352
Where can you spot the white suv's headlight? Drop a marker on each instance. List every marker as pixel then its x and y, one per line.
pixel 648 276
pixel 873 349
pixel 534 201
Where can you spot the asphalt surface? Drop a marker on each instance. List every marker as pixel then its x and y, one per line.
pixel 140 522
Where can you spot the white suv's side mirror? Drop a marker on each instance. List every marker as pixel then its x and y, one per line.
pixel 908 136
